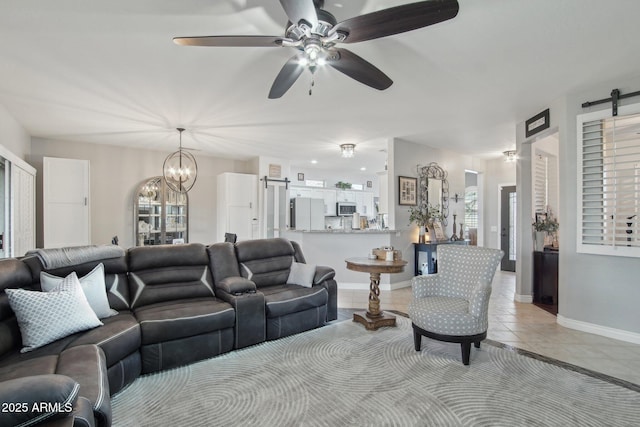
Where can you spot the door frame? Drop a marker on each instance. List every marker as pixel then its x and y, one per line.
pixel 500 188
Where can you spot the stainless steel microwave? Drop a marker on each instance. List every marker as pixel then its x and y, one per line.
pixel 345 208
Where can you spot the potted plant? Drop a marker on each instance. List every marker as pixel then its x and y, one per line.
pixel 424 217
pixel 545 224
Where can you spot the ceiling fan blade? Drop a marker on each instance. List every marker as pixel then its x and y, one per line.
pixel 230 41
pixel 396 20
pixel 357 68
pixel 300 10
pixel 286 77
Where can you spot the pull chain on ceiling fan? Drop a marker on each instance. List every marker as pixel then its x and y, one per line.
pixel 314 33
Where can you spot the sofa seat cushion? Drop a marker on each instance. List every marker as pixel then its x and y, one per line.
pixel 118 337
pixel 281 300
pixel 171 320
pixel 19 367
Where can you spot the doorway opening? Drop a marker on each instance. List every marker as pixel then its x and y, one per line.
pixel 508 227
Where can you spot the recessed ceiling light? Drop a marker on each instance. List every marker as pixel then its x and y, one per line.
pixel 314 161
pixel 337 4
pixel 363 168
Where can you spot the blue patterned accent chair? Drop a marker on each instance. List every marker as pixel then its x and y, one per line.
pixel 453 304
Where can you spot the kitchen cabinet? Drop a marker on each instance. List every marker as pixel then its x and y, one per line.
pixel 329 202
pixel 364 204
pixel 161 214
pixel 237 205
pixel 346 196
pixel 301 192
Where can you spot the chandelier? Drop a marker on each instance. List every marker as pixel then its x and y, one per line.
pixel 180 169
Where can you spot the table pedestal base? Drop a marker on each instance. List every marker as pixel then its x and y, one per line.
pixel 371 323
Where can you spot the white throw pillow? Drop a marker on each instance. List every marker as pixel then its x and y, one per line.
pixel 301 274
pixel 93 287
pixel 44 317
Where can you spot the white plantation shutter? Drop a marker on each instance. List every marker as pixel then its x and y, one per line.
pixel 609 183
pixel 540 183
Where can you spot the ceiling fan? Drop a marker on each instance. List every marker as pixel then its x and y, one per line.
pixel 314 33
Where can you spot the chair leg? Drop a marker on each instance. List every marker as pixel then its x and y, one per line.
pixel 477 344
pixel 466 352
pixel 417 340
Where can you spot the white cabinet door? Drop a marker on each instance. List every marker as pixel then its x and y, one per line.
pixel 364 204
pixel 300 192
pixel 346 196
pixel 65 202
pixel 237 205
pixel 330 199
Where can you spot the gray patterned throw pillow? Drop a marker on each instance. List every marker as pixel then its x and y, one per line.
pixel 92 285
pixel 44 317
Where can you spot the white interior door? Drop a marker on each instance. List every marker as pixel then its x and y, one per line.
pixel 65 202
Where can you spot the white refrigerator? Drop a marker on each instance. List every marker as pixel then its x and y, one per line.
pixel 307 213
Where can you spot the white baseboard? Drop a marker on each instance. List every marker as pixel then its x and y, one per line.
pixel 605 331
pixel 527 299
pixel 365 286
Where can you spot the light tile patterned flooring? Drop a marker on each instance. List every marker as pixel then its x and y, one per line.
pixel 528 327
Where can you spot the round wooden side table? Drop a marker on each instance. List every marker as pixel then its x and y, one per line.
pixel 374 318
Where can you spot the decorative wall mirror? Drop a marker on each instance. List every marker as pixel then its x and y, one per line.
pixel 434 188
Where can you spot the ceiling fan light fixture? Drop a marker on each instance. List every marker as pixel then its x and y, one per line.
pixel 180 169
pixel 347 150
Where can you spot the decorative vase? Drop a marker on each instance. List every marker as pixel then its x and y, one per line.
pixel 421 234
pixel 540 237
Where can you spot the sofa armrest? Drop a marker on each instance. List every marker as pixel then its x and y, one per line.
pixel 37 399
pixel 236 285
pixel 322 274
pixel 251 317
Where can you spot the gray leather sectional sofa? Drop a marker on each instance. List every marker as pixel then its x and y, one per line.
pixel 175 304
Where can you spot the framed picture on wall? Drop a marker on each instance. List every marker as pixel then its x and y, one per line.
pixel 300 176
pixel 407 191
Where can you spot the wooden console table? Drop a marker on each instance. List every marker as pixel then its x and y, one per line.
pixel 545 280
pixel 374 318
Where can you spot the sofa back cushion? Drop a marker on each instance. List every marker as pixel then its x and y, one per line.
pixel 13 274
pixel 115 277
pixel 168 272
pixel 266 262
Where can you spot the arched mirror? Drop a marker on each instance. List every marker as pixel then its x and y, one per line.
pixel 161 214
pixel 434 188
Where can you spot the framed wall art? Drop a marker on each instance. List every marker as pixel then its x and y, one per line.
pixel 407 191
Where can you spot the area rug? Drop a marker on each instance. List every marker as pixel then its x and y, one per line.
pixel 344 375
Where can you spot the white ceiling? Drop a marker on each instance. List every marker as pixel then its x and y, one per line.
pixel 107 72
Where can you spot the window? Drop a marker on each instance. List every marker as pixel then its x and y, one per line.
pixel 609 182
pixel 314 183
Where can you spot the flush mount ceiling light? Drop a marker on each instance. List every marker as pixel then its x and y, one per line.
pixel 348 150
pixel 180 169
pixel 510 155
